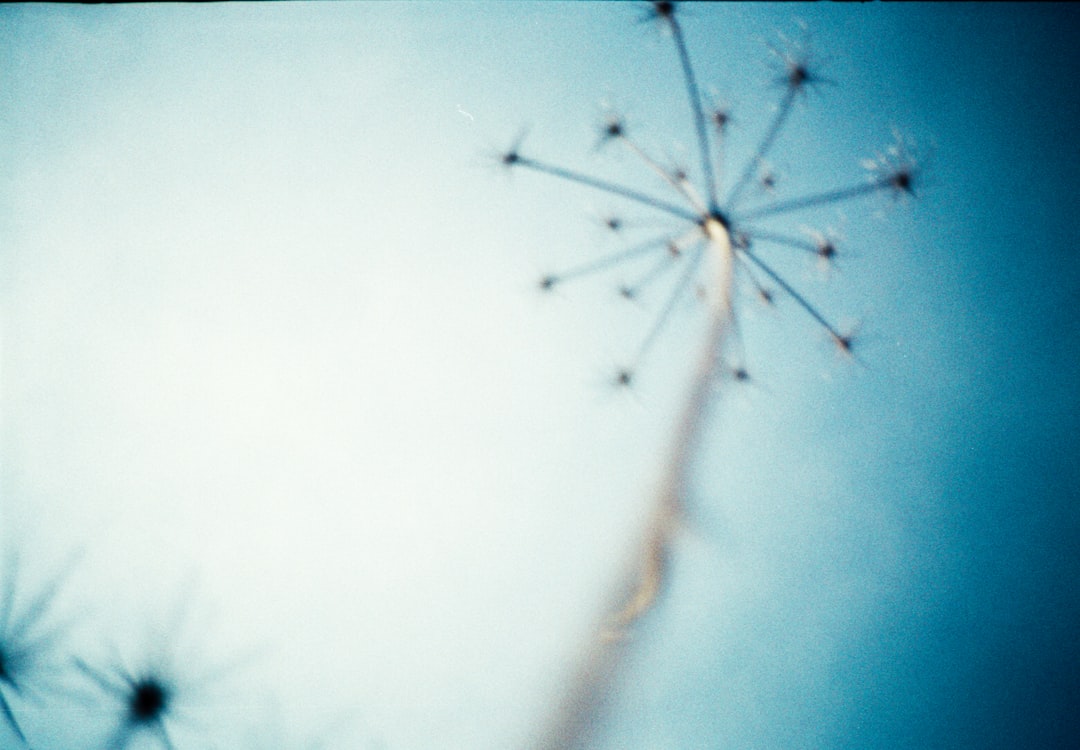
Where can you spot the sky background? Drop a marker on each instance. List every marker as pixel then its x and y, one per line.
pixel 274 356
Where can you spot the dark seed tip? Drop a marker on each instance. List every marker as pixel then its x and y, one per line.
pixel 664 8
pixel 902 180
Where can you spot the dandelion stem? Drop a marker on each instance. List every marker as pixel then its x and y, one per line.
pixel 809 201
pixel 671 499
pixel 576 718
pixel 699 116
pixel 607 187
pixel 778 121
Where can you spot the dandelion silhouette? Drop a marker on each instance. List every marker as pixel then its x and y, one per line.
pixel 27 638
pixel 157 695
pixel 147 698
pixel 720 230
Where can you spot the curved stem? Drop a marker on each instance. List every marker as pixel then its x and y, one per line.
pixel 576 716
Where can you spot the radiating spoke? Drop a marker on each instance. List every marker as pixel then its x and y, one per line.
pixel 799 299
pixel 515 159
pixel 549 281
pixel 818 199
pixel 754 164
pixel 665 313
pixel 699 116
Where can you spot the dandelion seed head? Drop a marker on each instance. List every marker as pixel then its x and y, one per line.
pixel 798 75
pixel 721 119
pixel 614 127
pixel 826 249
pixel 664 9
pixel 12 665
pixel 799 66
pixel 722 229
pixel 512 156
pixel 903 180
pixel 27 639
pixel 149 700
pixel 897 168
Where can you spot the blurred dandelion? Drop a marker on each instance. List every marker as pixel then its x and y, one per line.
pixel 29 637
pixel 720 235
pixel 720 231
pixel 161 692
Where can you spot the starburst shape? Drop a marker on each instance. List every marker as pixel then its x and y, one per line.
pixel 160 687
pixel 29 637
pixel 722 228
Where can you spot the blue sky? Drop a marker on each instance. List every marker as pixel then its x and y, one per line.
pixel 272 345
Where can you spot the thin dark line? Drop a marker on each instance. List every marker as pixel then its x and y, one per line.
pixel 699 116
pixel 608 187
pixel 610 260
pixel 794 294
pixel 34 611
pixel 669 306
pixel 780 239
pixel 764 146
pixel 758 286
pixel 809 201
pixel 10 717
pixel 103 681
pixel 654 273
